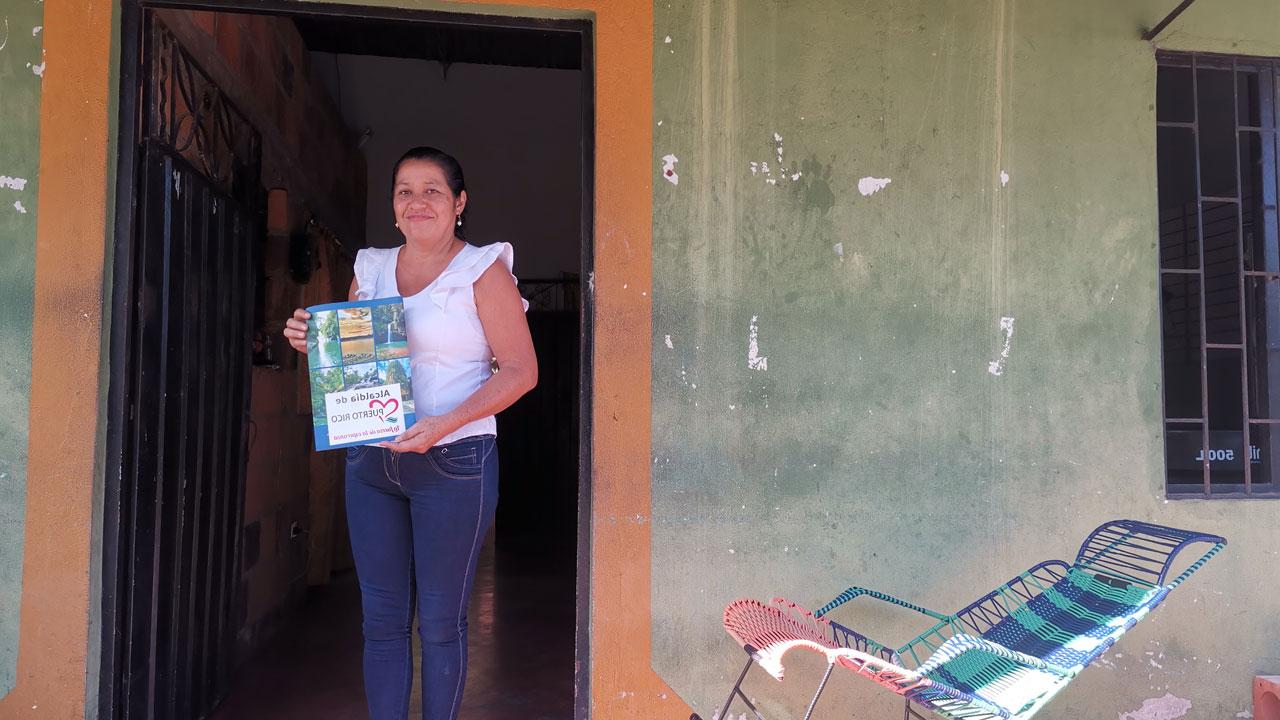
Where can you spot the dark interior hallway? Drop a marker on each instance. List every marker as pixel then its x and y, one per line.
pixel 521 647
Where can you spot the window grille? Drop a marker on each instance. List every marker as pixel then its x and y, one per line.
pixel 1219 273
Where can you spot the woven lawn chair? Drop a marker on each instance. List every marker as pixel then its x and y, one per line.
pixel 1002 656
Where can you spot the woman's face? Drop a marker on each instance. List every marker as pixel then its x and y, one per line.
pixel 424 206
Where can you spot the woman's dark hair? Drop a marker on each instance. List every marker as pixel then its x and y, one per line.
pixel 447 163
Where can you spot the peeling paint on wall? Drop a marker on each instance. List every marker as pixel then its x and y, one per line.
pixel 783 173
pixel 996 367
pixel 755 360
pixel 869 186
pixel 669 169
pixel 13 183
pixel 17 205
pixel 1004 179
pixel 1168 707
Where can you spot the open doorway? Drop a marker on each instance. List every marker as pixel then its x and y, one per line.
pixel 228 588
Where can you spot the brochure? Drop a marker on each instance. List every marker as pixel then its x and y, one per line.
pixel 358 355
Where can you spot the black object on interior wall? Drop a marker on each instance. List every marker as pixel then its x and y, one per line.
pixel 302 257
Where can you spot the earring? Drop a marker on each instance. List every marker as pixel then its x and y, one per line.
pixel 397 224
pixel 459 221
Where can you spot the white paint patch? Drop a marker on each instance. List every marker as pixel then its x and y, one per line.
pixel 36 30
pixel 839 248
pixel 1244 714
pixel 996 367
pixel 18 206
pixel 779 173
pixel 669 169
pixel 1004 179
pixel 667 341
pixel 13 183
pixel 1168 707
pixel 667 40
pixel 755 360
pixel 38 69
pixel 869 186
pixel 5 42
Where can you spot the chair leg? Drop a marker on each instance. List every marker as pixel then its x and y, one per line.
pixel 736 692
pixel 909 714
pixel 827 675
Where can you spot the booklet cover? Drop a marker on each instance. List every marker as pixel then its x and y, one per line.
pixel 358 355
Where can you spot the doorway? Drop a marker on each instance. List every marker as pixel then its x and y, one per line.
pixel 151 633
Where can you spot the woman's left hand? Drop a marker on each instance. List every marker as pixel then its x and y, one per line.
pixel 419 438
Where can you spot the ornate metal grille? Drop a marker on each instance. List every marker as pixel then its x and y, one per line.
pixel 191 115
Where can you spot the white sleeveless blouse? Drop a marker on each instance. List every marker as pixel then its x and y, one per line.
pixel 448 352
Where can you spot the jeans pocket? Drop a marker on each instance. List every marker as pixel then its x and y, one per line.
pixel 465 464
pixel 356 452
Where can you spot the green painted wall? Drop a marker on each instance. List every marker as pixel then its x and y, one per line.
pixel 875 447
pixel 21 65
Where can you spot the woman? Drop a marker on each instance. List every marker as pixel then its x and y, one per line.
pixel 419 506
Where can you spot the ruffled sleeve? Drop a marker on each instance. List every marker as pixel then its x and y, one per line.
pixel 369 265
pixel 465 273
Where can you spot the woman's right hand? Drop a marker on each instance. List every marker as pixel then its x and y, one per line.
pixel 295 330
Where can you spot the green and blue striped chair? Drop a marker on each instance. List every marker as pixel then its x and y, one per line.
pixel 1002 656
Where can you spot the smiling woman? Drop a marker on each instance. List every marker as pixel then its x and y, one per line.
pixel 461 312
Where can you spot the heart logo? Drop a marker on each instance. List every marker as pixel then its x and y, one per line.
pixel 390 406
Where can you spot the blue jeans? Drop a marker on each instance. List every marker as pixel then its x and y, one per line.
pixel 417 522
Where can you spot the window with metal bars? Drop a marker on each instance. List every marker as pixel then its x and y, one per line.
pixel 1219 273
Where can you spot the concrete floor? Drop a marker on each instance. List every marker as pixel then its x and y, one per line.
pixel 520 642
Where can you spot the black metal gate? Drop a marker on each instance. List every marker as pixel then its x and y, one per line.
pixel 182 394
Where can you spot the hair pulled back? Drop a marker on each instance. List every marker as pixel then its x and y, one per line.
pixel 447 163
